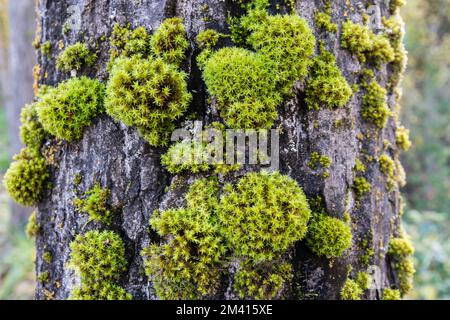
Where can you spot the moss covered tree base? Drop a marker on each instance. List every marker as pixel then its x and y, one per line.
pixel 365 202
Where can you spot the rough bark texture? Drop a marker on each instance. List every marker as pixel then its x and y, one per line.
pixel 117 157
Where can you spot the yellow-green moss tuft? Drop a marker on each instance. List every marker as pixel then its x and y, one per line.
pixel 66 110
pixel 75 57
pixel 391 294
pixel 32 228
pixel 361 186
pixel 402 138
pixel 149 94
pixel 387 167
pixel 243 88
pixel 26 177
pixel 374 107
pixel 100 291
pixel 327 87
pixel 400 251
pixel 188 265
pixel 169 41
pixel 323 19
pixel 351 290
pixel 95 204
pixel 328 236
pixel 360 40
pixel 264 215
pixel 32 133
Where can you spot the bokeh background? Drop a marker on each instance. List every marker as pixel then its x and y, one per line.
pixel 426 112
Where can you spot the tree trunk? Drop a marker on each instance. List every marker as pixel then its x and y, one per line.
pixel 118 158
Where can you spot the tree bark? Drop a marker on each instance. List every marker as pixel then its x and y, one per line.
pixel 117 157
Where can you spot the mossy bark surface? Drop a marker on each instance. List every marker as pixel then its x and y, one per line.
pixel 117 158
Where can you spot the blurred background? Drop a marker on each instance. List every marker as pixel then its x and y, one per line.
pixel 426 112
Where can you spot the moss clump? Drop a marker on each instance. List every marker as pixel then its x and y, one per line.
pixel 251 281
pixel 249 85
pixel 391 294
pixel 43 277
pixel 169 41
pixel 287 44
pixel 75 57
pixel 243 88
pixel 361 186
pixel 47 257
pixel 374 107
pixel 32 228
pixel 95 204
pixel 328 236
pixel 402 138
pixel 395 5
pixel 207 39
pixel 66 110
pixel 26 177
pixel 46 48
pixel 351 290
pixel 254 223
pixel 188 265
pixel 327 86
pixel 323 19
pixel 364 280
pixel 99 258
pixel 32 133
pixel 125 42
pixel 149 94
pixel 360 40
pixel 264 215
pixel 100 291
pixel 396 34
pixel 400 251
pixel 387 167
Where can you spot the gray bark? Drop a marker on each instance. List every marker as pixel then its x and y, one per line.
pixel 123 162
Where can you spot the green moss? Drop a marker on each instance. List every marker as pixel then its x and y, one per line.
pixel 43 277
pixel 287 44
pixel 264 215
pixel 351 290
pixel 208 39
pixel 100 291
pixel 360 40
pixel 400 251
pixel 361 186
pixel 32 133
pixel 188 264
pixel 395 5
pixel 98 255
pixel 359 166
pixel 374 107
pixel 125 42
pixel 250 85
pixel 46 48
pixel 391 294
pixel 402 138
pixel 66 110
pixel 95 204
pixel 323 19
pixel 169 41
pixel 263 282
pixel 328 236
pixel 32 228
pixel 99 258
pixel 77 179
pixel 388 168
pixel 254 222
pixel 396 32
pixel 149 94
pixel 319 161
pixel 26 177
pixel 74 57
pixel 47 257
pixel 243 88
pixel 364 280
pixel 326 86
